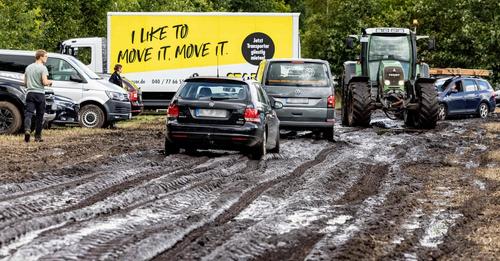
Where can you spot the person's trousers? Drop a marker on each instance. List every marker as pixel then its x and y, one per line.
pixel 35 102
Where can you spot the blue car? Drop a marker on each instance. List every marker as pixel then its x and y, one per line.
pixel 465 96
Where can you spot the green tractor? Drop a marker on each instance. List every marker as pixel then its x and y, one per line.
pixel 388 77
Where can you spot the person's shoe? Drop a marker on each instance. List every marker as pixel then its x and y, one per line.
pixel 38 139
pixel 27 137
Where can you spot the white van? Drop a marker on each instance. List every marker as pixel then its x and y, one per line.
pixel 101 102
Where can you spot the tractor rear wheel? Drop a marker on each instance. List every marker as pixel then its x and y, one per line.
pixel 427 114
pixel 358 106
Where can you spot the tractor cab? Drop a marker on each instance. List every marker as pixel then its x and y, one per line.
pixel 387 77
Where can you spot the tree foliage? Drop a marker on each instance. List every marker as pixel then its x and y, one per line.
pixel 467 31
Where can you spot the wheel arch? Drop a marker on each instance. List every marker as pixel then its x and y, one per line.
pixel 98 104
pixel 19 105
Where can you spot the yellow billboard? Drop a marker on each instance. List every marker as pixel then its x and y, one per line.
pixel 144 42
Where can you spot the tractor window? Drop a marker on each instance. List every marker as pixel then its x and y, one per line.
pixel 389 48
pixel 395 48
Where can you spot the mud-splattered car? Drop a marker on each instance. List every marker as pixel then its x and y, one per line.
pixel 58 109
pixel 222 113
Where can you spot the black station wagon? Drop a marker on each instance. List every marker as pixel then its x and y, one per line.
pixel 222 113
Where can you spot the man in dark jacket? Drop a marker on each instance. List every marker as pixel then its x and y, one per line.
pixel 116 77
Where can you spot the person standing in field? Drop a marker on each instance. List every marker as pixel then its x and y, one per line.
pixel 35 79
pixel 116 77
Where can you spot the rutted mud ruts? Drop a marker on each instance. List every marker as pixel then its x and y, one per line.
pixel 380 193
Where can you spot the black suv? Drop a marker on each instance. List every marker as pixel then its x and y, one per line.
pixel 58 109
pixel 222 113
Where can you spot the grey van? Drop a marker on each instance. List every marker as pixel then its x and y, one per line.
pixel 305 88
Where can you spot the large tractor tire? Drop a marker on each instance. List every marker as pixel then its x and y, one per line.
pixel 358 106
pixel 426 116
pixel 344 110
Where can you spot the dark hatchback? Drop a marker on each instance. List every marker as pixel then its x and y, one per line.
pixel 464 96
pixel 222 113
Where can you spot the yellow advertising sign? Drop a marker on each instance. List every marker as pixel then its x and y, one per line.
pixel 143 42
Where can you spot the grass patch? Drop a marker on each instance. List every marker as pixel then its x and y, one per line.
pixel 494 156
pixel 493 127
pixel 142 121
pixel 61 133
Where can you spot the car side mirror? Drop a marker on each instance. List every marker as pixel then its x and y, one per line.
pixel 75 78
pixel 278 105
pixel 432 44
pixel 349 42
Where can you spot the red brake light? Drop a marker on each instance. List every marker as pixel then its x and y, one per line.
pixel 173 111
pixel 330 101
pixel 132 96
pixel 252 115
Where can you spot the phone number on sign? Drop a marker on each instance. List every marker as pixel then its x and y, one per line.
pixel 166 81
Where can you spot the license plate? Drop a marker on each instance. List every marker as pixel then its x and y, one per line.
pixel 297 100
pixel 211 113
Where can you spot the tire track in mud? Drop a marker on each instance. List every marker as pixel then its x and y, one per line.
pixel 397 225
pixel 94 239
pixel 254 245
pixel 244 200
pixel 110 205
pixel 68 176
pixel 218 234
pixel 49 200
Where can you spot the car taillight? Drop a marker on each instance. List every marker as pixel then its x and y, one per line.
pixel 330 101
pixel 173 111
pixel 252 115
pixel 133 96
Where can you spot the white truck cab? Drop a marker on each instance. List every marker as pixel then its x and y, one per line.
pixel 101 102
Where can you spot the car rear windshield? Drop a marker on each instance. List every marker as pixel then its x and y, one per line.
pixel 213 91
pixel 297 74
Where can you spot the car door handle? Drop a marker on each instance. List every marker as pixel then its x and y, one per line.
pixel 86 90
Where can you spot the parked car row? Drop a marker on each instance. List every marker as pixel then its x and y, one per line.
pixel 465 96
pixel 101 103
pixel 246 115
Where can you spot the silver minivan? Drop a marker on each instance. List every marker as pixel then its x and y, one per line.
pixel 305 87
pixel 101 102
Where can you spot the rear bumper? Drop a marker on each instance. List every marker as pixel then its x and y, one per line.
pixel 214 137
pixel 301 118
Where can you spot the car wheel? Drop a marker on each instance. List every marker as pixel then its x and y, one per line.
pixel 11 118
pixel 170 148
pixel 91 116
pixel 260 150
pixel 483 110
pixel 442 113
pixel 276 148
pixel 190 151
pixel 328 134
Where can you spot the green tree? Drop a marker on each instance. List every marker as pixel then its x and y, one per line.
pixel 21 26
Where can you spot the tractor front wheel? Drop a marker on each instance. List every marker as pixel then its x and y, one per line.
pixel 426 116
pixel 358 106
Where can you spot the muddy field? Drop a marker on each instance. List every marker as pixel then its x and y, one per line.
pixel 379 193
